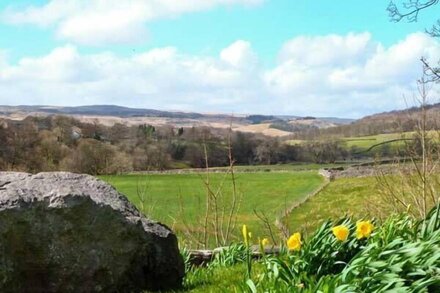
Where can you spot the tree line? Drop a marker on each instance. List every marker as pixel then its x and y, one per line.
pixel 63 143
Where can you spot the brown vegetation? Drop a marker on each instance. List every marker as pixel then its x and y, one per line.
pixel 64 143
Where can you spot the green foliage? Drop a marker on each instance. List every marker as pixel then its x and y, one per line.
pixel 218 279
pixel 324 254
pixel 309 269
pixel 231 255
pixel 146 130
pixel 186 259
pixel 403 255
pixel 225 273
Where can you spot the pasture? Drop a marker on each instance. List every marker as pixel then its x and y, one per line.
pixel 363 143
pixel 393 140
pixel 344 196
pixel 179 199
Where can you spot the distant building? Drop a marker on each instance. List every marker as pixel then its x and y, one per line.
pixel 76 133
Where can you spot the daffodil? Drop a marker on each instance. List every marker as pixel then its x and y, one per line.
pixel 246 235
pixel 341 232
pixel 265 242
pixel 294 242
pixel 364 229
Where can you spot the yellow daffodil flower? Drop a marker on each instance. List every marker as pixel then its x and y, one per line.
pixel 294 242
pixel 246 235
pixel 265 242
pixel 341 232
pixel 364 229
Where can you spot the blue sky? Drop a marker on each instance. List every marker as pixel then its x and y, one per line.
pixel 262 72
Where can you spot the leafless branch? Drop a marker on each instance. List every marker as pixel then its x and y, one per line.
pixel 267 223
pixel 411 9
pixel 431 74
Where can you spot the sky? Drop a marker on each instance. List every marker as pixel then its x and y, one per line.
pixel 295 57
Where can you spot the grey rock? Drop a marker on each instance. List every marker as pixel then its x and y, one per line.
pixel 64 232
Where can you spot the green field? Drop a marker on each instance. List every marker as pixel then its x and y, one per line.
pixel 344 196
pixel 363 143
pixel 366 142
pixel 175 199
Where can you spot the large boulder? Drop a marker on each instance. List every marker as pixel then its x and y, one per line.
pixel 64 232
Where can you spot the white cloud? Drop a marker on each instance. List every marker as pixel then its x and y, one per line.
pixel 349 74
pixel 327 50
pixel 157 78
pixel 355 76
pixel 399 64
pixel 240 54
pixel 95 22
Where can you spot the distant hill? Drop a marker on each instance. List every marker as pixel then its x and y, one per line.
pixel 402 120
pixel 388 122
pixel 101 110
pixel 406 113
pixel 272 125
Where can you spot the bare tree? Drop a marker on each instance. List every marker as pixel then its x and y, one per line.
pixel 409 10
pixel 220 206
pixel 414 186
pixel 431 74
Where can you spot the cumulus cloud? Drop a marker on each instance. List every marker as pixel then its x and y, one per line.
pixel 328 50
pixel 351 72
pixel 95 22
pixel 350 76
pixel 156 78
pixel 240 54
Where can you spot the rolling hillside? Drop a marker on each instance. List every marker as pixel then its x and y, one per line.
pixel 398 121
pixel 110 114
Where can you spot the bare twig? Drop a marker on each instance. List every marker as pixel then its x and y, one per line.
pixel 412 7
pixel 267 223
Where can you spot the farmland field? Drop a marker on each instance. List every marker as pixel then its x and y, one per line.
pixel 166 194
pixel 344 196
pixel 365 142
pixel 362 143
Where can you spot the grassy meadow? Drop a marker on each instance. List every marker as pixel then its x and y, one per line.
pixel 363 143
pixel 175 199
pixel 322 262
pixel 343 196
pixel 400 255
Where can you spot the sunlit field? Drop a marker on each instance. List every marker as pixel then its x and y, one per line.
pixel 176 199
pixel 344 196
